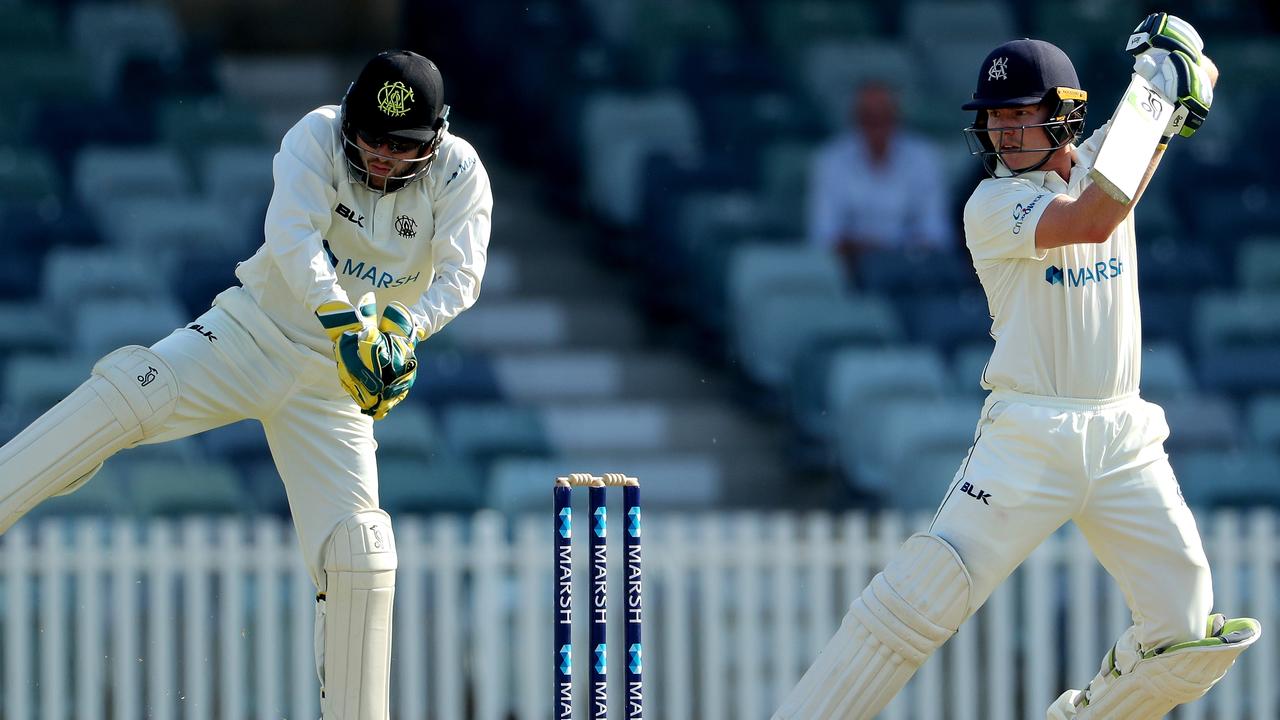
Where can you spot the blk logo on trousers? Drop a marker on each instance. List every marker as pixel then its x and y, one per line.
pixel 968 489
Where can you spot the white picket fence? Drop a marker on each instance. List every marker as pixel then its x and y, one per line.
pixel 201 619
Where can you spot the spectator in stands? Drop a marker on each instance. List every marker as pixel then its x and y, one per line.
pixel 373 195
pixel 877 186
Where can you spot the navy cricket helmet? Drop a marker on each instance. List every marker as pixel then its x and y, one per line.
pixel 1020 73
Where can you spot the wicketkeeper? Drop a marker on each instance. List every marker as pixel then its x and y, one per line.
pixel 1064 435
pixel 375 238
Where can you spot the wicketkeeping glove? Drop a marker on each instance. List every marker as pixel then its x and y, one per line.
pixel 1167 52
pixel 359 349
pixel 400 335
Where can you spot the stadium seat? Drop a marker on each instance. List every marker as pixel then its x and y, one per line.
pixel 243 444
pixel 33 383
pixel 45 73
pixel 985 22
pixel 108 34
pixel 784 182
pixel 787 325
pixel 217 120
pixel 1165 317
pixel 482 431
pixel 619 132
pixel 443 483
pixel 447 375
pixel 29 26
pixel 1258 265
pixel 407 432
pixel 1201 422
pixel 105 176
pixel 178 488
pixel 967 365
pixel 858 380
pixel 74 277
pixel 949 320
pixel 265 489
pixel 791 25
pixel 110 324
pixel 920 480
pixel 1230 320
pixel 28 175
pixel 1165 373
pixel 875 432
pixel 1241 371
pixel 1188 266
pixel 106 494
pixel 833 69
pixel 543 323
pixel 759 269
pixel 678 481
pixel 1244 480
pixel 1264 421
pixel 910 273
pixel 640 426
pixel 526 377
pixel 175 227
pixel 238 179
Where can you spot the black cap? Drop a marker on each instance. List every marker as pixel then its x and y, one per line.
pixel 1021 72
pixel 398 93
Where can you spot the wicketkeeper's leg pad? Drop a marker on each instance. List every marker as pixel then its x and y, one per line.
pixel 1161 679
pixel 906 613
pixel 353 618
pixel 128 396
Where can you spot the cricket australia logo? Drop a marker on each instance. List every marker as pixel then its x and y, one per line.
pixel 406 227
pixel 998 69
pixel 394 98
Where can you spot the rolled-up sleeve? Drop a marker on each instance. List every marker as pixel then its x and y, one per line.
pixel 463 210
pixel 300 210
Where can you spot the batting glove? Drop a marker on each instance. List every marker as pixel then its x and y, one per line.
pixel 401 335
pixel 1162 31
pixel 359 349
pixel 1182 81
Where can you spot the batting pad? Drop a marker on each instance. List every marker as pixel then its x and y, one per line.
pixel 1162 679
pixel 908 611
pixel 128 396
pixel 353 619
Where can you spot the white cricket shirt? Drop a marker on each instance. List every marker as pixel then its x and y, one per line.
pixel 327 237
pixel 1066 321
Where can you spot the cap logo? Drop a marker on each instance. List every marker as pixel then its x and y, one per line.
pixel 394 98
pixel 998 69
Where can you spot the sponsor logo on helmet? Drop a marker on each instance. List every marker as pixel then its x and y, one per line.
pixel 394 98
pixel 1081 276
pixel 406 227
pixel 999 69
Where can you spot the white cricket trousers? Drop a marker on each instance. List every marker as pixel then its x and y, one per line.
pixel 1037 462
pixel 239 365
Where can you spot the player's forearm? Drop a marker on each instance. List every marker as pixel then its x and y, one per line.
pixel 1090 218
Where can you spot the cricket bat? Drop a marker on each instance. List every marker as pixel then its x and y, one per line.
pixel 1136 128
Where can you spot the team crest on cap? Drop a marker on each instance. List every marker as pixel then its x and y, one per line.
pixel 394 98
pixel 998 69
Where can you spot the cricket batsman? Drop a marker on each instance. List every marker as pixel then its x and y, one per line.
pixel 376 205
pixel 1064 435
